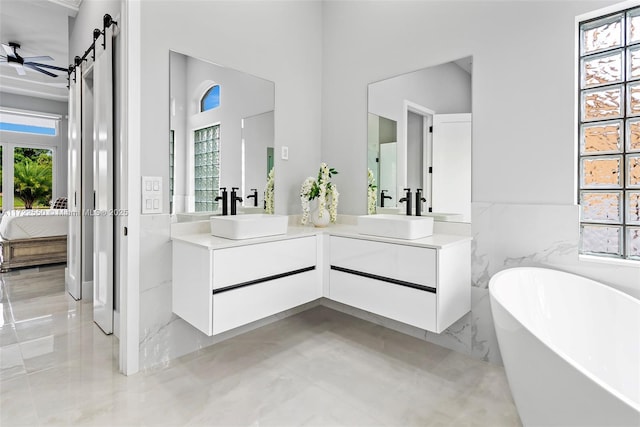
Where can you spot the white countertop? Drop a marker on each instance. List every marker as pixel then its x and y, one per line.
pixel 201 237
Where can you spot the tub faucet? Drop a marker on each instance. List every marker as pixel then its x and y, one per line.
pixel 419 200
pixel 407 200
pixel 224 199
pixel 384 196
pixel 234 199
pixel 254 196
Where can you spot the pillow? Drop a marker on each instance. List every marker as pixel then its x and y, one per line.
pixel 60 203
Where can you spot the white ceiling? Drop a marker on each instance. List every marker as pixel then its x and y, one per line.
pixel 41 27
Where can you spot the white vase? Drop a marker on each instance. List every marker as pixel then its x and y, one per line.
pixel 320 221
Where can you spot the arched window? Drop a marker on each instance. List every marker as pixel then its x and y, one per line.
pixel 211 99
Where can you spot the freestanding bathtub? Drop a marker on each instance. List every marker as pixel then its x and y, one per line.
pixel 570 346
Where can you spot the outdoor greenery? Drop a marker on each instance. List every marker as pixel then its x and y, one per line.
pixel 33 177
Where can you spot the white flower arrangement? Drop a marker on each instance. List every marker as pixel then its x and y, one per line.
pixel 372 194
pixel 323 190
pixel 268 193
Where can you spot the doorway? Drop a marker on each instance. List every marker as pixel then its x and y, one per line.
pixel 419 150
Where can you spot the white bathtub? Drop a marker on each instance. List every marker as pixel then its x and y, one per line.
pixel 571 348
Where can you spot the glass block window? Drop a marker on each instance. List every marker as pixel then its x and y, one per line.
pixel 171 167
pixel 609 135
pixel 207 168
pixel 211 99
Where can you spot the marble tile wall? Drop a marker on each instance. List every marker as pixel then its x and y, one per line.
pixel 505 235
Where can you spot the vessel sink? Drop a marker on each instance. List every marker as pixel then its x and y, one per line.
pixel 444 216
pixel 251 210
pixel 396 226
pixel 248 226
pixel 392 210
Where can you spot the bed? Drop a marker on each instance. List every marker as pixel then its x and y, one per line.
pixel 33 237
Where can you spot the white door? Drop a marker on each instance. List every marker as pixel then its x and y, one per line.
pixel 86 193
pixel 74 193
pixel 451 179
pixel 257 136
pixel 388 171
pixel 103 253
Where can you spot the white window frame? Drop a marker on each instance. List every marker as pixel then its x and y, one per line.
pixel 25 116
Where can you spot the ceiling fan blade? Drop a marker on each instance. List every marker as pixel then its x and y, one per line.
pixel 37 58
pixel 53 67
pixel 35 67
pixel 8 49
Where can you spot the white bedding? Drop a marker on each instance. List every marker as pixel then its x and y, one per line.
pixel 30 223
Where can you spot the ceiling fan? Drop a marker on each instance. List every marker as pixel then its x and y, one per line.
pixel 19 63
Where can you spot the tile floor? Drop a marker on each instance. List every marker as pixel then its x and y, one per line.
pixel 317 368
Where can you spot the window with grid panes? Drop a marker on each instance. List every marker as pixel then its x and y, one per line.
pixel 207 168
pixel 609 135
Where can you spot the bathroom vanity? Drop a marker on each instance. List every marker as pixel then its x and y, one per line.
pixel 220 284
pixel 426 285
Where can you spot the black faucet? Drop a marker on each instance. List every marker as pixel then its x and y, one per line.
pixel 419 200
pixel 384 196
pixel 254 196
pixel 234 199
pixel 407 199
pixel 224 200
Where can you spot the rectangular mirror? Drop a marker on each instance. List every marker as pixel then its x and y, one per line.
pixel 221 135
pixel 419 137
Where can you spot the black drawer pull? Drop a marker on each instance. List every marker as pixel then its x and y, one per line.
pixel 385 279
pixel 263 279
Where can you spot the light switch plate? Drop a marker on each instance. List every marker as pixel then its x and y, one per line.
pixel 151 194
pixel 285 153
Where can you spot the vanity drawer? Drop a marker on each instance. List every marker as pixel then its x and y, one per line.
pixel 406 263
pixel 407 305
pixel 233 266
pixel 240 306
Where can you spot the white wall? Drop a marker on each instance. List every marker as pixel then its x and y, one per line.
pixel 89 17
pixel 277 41
pixel 443 88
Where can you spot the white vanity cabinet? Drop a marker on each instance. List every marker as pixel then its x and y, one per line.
pixel 427 287
pixel 216 290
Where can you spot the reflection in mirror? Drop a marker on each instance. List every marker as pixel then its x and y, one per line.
pixel 419 137
pixel 221 136
pixel 383 138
